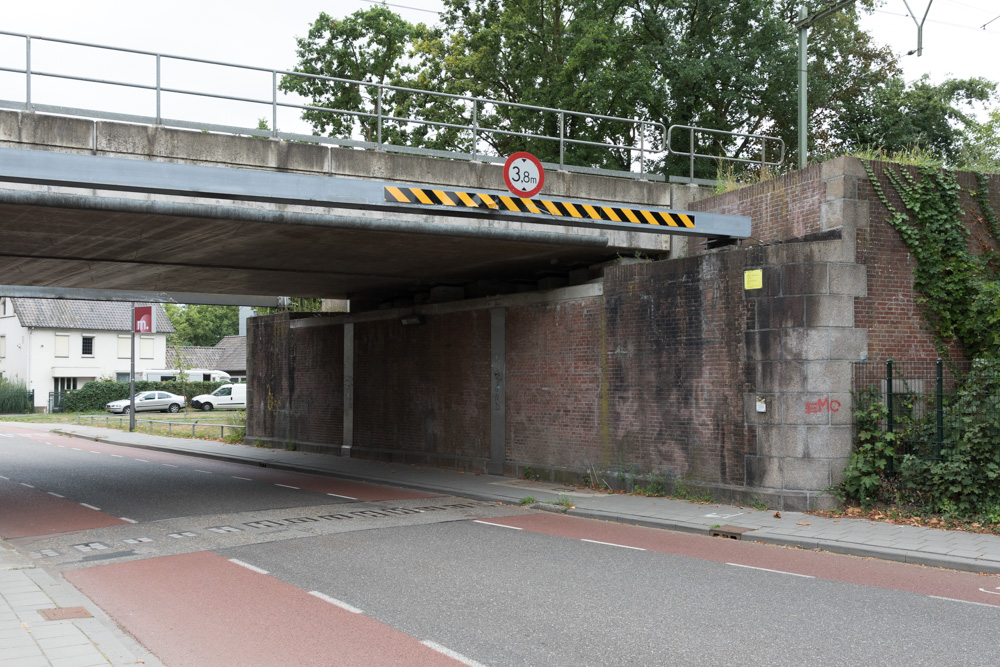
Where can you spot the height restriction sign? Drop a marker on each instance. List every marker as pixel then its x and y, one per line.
pixel 523 174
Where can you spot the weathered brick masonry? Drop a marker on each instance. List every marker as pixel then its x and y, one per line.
pixel 670 367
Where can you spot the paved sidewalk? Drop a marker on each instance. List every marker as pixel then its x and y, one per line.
pixel 910 544
pixel 32 632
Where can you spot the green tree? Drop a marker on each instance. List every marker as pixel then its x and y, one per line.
pixel 201 325
pixel 717 64
pixel 981 144
pixel 369 45
pixel 939 118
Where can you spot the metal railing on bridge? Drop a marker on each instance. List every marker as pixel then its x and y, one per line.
pixel 650 138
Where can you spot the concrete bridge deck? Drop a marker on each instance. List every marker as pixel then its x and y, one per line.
pixel 108 205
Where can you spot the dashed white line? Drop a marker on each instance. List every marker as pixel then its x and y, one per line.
pixel 142 460
pixel 337 495
pixel 764 569
pixel 118 456
pixel 77 449
pixel 2 477
pixel 27 485
pixel 612 544
pixel 53 493
pixel 248 566
pixel 94 451
pixel 91 507
pixel 981 604
pixel 63 446
pixel 498 525
pixel 207 472
pixel 289 487
pixel 49 443
pixel 170 465
pixel 127 520
pixel 335 601
pixel 454 655
pixel 246 479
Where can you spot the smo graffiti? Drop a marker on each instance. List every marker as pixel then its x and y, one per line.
pixel 822 405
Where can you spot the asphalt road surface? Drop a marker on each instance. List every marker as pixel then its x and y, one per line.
pixel 211 563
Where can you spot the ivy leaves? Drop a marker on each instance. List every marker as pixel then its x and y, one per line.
pixel 959 290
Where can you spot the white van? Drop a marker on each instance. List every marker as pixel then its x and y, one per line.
pixel 226 397
pixel 193 375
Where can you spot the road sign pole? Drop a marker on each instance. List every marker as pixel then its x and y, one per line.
pixel 131 379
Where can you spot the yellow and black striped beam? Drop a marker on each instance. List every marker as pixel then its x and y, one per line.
pixel 546 207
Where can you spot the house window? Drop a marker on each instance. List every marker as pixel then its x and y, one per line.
pixel 3 347
pixel 62 345
pixel 122 377
pixel 64 384
pixel 124 347
pixel 87 349
pixel 146 347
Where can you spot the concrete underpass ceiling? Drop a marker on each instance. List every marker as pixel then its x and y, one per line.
pixel 48 246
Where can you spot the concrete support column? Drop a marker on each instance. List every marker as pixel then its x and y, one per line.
pixel 345 448
pixel 498 390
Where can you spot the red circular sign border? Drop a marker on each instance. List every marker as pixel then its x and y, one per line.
pixel 506 174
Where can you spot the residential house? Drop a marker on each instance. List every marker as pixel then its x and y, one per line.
pixel 55 345
pixel 229 355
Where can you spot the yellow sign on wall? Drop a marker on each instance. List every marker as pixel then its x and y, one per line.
pixel 753 279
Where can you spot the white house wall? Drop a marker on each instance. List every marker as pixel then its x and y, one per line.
pixel 37 348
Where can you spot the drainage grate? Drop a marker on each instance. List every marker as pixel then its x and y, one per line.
pixel 361 514
pixel 730 532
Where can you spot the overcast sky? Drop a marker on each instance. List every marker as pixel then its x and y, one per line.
pixel 263 34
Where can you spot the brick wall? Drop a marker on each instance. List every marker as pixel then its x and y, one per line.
pixel 424 389
pixel 894 319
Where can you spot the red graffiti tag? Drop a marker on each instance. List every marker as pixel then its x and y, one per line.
pixel 822 405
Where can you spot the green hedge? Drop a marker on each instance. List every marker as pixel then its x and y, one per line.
pixel 14 398
pixel 93 396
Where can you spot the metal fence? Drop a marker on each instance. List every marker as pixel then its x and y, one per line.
pixel 649 138
pixel 181 427
pixel 760 144
pixel 929 405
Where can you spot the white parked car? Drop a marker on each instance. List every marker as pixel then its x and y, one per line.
pixel 149 401
pixel 226 397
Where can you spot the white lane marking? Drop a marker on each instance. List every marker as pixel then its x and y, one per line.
pixel 77 449
pixel 63 446
pixel 2 477
pixel 207 472
pixel 7 435
pixel 991 592
pixel 498 525
pixel 289 487
pixel 27 485
pixel 337 495
pixel 454 655
pixel 48 443
pixel 91 507
pixel 118 456
pixel 248 566
pixel 246 479
pixel 170 465
pixel 981 604
pixel 126 519
pixel 142 460
pixel 764 569
pixel 612 544
pixel 94 451
pixel 53 493
pixel 335 601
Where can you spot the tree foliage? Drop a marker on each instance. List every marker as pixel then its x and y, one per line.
pixel 712 63
pixel 202 325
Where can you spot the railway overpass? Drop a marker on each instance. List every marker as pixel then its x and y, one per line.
pixel 105 209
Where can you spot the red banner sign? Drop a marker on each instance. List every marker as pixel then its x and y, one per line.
pixel 142 319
